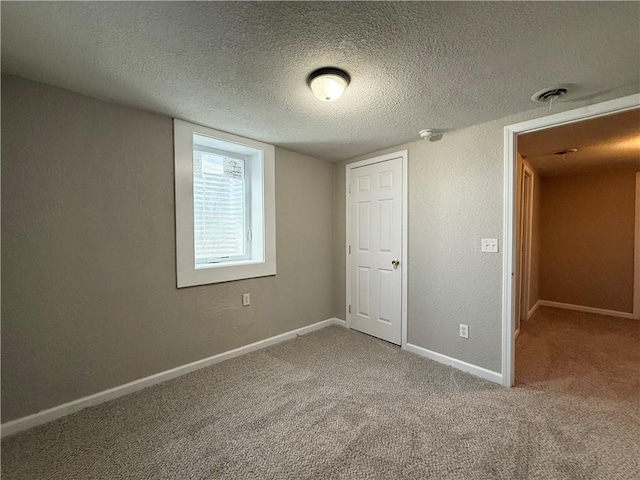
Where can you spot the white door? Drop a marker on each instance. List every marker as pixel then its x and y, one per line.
pixel 375 243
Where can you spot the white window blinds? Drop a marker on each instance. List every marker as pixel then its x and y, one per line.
pixel 219 207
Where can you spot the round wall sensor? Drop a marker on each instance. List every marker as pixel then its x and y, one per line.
pixel 427 133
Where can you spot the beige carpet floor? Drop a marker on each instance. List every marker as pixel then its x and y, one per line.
pixel 337 404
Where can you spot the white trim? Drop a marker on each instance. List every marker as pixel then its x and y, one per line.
pixel 528 217
pixel 347 248
pixel 583 308
pixel 509 260
pixel 508 264
pixel 404 154
pixel 339 322
pixel 636 254
pixel 452 362
pixel 45 416
pixel 405 246
pixel 533 310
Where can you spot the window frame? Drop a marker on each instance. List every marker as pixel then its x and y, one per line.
pixel 261 159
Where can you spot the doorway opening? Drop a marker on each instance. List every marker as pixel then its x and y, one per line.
pixel 532 153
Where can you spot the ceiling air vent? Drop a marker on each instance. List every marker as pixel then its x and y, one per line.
pixel 550 94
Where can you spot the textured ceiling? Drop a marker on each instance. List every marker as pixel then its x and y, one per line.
pixel 241 66
pixel 603 143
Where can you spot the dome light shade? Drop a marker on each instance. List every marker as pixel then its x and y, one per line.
pixel 327 84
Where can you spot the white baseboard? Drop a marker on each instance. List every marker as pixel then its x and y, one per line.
pixel 533 310
pixel 582 308
pixel 339 322
pixel 45 416
pixel 459 364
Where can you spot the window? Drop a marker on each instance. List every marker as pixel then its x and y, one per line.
pixel 221 227
pixel 225 206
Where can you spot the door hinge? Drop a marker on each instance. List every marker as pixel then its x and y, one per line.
pixel 349 308
pixel 349 188
pixel 349 248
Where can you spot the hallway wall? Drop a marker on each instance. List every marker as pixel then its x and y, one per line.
pixel 587 239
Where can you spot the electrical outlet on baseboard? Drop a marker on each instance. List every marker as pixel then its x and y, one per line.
pixel 464 330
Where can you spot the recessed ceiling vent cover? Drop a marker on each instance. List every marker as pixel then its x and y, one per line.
pixel 550 94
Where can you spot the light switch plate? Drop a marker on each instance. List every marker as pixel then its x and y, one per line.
pixel 490 245
pixel 464 330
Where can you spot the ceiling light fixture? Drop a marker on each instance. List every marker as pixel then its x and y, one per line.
pixel 566 152
pixel 327 84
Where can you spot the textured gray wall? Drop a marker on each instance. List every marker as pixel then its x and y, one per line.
pixel 455 200
pixel 88 255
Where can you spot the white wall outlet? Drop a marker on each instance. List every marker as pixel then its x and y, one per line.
pixel 464 330
pixel 246 299
pixel 490 245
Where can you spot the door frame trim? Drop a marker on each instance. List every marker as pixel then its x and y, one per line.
pixel 509 272
pixel 404 155
pixel 526 225
pixel 636 254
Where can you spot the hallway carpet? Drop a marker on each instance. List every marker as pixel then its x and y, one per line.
pixel 580 354
pixel 338 404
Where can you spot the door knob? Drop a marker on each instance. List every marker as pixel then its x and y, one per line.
pixel 395 263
